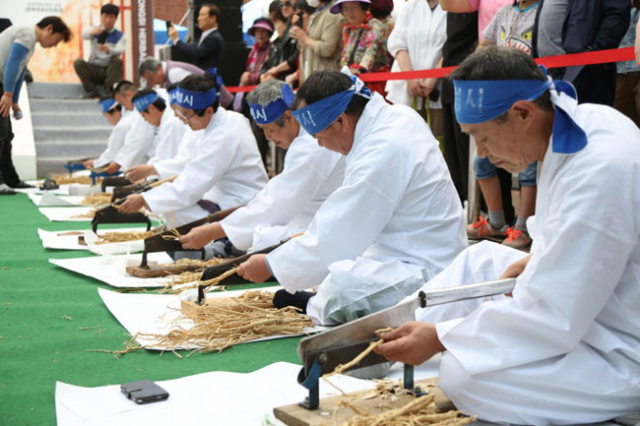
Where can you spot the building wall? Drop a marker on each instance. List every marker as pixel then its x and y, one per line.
pixel 170 10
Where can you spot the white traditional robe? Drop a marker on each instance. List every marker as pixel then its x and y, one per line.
pixel 396 215
pixel 116 139
pixel 187 150
pixel 227 170
pixel 290 200
pixel 137 143
pixel 168 136
pixel 566 348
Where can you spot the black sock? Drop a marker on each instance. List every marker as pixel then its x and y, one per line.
pixel 299 299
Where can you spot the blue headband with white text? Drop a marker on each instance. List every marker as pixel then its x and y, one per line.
pixel 172 96
pixel 143 102
pixel 479 101
pixel 317 116
pixel 265 114
pixel 195 100
pixel 107 105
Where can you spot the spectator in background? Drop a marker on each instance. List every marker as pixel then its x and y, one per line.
pixel 207 52
pixel 364 45
pixel 286 7
pixel 261 31
pixel 573 26
pixel 486 9
pixel 416 44
pixel 381 10
pixel 628 82
pixel 462 38
pixel 301 18
pixel 283 53
pixel 104 65
pixel 511 27
pixel 159 73
pixel 319 46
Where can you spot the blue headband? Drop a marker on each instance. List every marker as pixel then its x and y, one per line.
pixel 172 96
pixel 213 74
pixel 265 114
pixel 317 116
pixel 107 105
pixel 478 101
pixel 143 102
pixel 195 100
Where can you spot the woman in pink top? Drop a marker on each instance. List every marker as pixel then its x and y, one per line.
pixel 487 9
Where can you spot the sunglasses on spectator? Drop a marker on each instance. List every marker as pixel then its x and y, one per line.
pixel 286 4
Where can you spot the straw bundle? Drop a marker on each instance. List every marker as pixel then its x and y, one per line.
pixel 226 322
pixel 122 237
pixel 96 199
pixel 65 179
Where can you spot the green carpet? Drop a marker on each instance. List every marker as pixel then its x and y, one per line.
pixel 43 310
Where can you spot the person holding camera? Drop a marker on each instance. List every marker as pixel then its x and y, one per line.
pixel 104 65
pixel 416 44
pixel 320 44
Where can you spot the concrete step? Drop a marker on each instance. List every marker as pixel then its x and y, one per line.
pixel 55 90
pixel 52 134
pixel 76 120
pixel 64 105
pixel 70 150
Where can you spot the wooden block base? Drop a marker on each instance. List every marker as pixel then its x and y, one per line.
pixel 295 415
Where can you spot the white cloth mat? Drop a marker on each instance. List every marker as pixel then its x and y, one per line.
pixel 66 214
pixel 68 240
pixel 50 200
pixel 154 313
pixel 111 269
pixel 216 398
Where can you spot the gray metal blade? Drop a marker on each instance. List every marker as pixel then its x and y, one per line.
pixel 364 328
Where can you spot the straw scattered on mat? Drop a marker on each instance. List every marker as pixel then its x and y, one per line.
pixel 420 411
pixel 225 322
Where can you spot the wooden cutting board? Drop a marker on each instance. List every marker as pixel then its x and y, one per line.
pixel 295 415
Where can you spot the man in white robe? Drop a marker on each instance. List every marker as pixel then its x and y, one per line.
pixel 396 220
pixel 290 200
pixel 139 138
pixel 227 170
pixel 120 119
pixel 186 151
pixel 565 348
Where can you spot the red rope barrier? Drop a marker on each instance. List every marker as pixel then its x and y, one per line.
pixel 569 60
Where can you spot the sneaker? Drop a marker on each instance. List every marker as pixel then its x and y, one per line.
pixel 517 239
pixel 482 230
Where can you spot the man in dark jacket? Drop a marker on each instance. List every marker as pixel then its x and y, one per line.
pixel 572 26
pixel 207 52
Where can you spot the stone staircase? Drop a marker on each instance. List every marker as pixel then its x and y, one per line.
pixel 64 127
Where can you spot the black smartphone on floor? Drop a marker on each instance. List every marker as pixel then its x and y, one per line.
pixel 144 392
